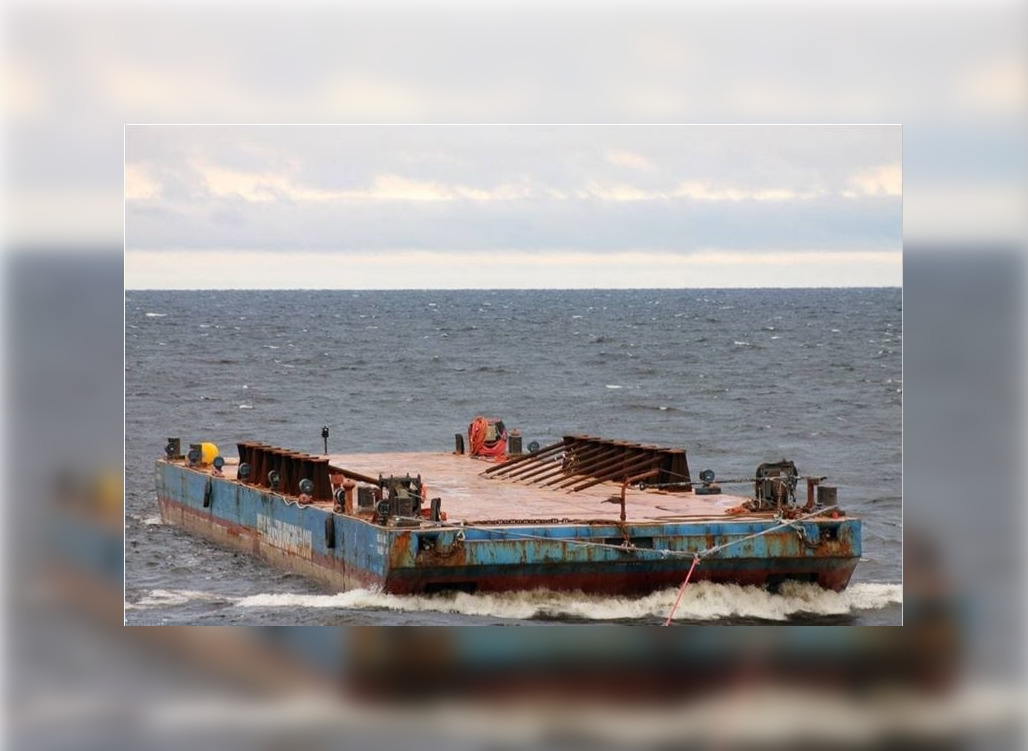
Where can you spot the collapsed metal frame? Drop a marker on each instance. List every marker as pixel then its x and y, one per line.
pixel 578 462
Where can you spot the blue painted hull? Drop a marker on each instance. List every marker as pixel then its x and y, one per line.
pixel 346 552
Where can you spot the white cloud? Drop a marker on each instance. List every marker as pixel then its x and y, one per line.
pixel 694 191
pixel 620 192
pixel 885 180
pixel 139 184
pixel 700 191
pixel 265 187
pixel 256 187
pixel 398 188
pixel 623 158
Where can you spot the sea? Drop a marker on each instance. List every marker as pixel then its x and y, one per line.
pixel 735 376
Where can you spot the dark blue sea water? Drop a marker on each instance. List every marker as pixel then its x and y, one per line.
pixel 736 377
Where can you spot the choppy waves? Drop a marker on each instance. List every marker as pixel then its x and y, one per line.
pixel 702 601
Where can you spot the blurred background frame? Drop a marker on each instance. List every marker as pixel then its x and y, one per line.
pixel 953 75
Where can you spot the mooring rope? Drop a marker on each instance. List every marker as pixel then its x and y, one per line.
pixel 661 552
pixel 681 591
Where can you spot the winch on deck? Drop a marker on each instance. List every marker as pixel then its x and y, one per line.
pixel 775 484
pixel 403 502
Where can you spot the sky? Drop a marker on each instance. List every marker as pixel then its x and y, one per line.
pixel 503 206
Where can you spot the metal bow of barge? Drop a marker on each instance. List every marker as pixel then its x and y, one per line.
pixel 585 513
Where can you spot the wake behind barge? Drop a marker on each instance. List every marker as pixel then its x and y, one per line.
pixel 585 513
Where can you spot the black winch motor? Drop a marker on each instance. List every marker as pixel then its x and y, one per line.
pixel 401 497
pixel 776 483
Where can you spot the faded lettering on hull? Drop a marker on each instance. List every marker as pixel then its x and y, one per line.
pixel 288 537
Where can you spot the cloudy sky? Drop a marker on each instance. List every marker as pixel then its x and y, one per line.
pixel 405 206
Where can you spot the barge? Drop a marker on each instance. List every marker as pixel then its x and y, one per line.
pixel 585 513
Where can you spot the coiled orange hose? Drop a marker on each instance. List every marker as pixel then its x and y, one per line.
pixel 477 431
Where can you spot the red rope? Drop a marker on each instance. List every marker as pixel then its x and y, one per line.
pixel 695 560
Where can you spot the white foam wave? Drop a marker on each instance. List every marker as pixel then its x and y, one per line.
pixel 160 598
pixel 514 605
pixel 613 386
pixel 352 599
pixel 702 601
pixel 712 601
pixel 152 521
pixel 156 315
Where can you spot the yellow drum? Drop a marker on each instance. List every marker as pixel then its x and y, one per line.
pixel 207 453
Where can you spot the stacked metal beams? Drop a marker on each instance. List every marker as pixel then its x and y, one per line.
pixel 292 466
pixel 581 461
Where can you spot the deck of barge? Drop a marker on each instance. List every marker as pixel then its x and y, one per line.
pixel 468 495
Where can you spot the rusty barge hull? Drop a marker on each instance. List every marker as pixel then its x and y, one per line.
pixel 536 551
